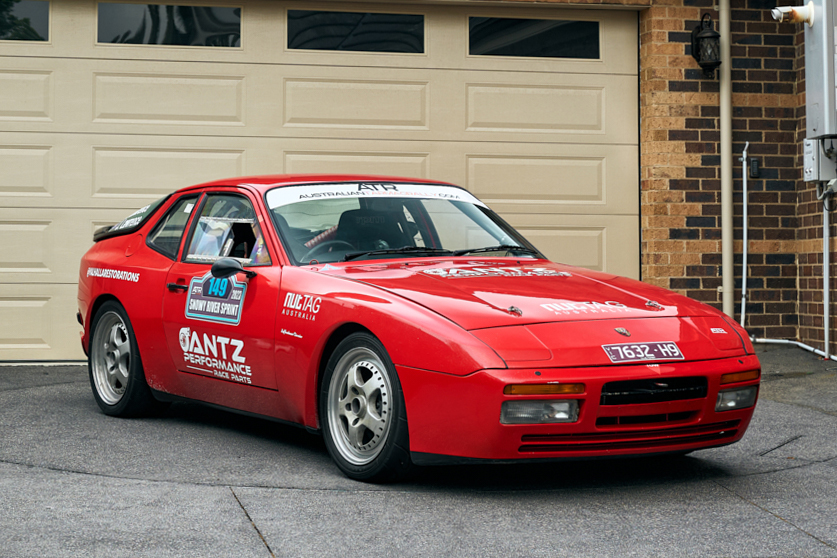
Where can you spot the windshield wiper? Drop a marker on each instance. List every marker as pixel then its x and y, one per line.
pixel 402 250
pixel 498 248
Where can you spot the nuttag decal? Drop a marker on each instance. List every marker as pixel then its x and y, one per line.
pixel 303 306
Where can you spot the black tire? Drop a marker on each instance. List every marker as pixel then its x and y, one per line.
pixel 362 412
pixel 115 367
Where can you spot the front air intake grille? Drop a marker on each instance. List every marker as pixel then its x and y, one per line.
pixel 646 419
pixel 633 439
pixel 659 390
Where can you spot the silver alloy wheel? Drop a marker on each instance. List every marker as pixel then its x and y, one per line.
pixel 110 356
pixel 359 406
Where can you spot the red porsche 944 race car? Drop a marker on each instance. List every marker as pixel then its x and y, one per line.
pixel 406 322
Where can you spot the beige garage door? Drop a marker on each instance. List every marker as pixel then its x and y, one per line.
pixel 90 130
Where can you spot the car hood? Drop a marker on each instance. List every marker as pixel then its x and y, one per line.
pixel 477 294
pixel 538 313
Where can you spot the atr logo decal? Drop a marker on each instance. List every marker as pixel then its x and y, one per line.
pixel 377 187
pixel 113 274
pixel 591 307
pixel 303 306
pixel 220 355
pixel 718 330
pixel 454 272
pixel 215 300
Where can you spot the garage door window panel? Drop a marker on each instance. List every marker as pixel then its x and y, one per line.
pixel 227 227
pixel 24 20
pixel 166 24
pixel 167 233
pixel 355 31
pixel 533 38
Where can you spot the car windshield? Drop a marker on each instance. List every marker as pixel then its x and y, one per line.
pixel 323 223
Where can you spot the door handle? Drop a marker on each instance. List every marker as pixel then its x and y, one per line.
pixel 176 287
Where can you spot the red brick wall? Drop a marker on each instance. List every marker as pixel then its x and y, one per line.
pixel 680 159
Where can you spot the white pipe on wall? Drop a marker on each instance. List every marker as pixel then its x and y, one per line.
pixel 795 343
pixel 745 227
pixel 727 273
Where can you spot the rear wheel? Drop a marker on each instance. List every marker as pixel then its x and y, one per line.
pixel 362 412
pixel 116 373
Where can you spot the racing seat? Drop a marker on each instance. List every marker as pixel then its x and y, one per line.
pixel 243 240
pixel 369 229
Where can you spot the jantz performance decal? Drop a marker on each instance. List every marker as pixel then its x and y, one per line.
pixel 588 307
pixel 476 271
pixel 106 273
pixel 304 306
pixel 215 300
pixel 215 355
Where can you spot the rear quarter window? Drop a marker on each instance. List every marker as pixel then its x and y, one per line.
pixel 167 233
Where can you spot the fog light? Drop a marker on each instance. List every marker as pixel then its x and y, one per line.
pixel 733 399
pixel 539 412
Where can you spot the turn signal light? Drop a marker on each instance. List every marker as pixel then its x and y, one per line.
pixel 740 376
pixel 543 389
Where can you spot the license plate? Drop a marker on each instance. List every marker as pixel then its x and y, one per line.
pixel 642 352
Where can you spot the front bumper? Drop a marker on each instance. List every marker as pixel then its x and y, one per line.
pixel 457 419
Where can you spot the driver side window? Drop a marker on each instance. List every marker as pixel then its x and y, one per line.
pixel 227 227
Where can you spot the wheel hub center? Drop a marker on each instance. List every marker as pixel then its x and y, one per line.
pixel 358 406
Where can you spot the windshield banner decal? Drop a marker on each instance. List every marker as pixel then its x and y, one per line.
pixel 287 195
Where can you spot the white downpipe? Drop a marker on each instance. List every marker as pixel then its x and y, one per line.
pixel 746 227
pixel 727 249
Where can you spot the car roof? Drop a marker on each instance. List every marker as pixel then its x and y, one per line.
pixel 263 183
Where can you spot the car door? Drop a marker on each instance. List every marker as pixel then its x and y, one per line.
pixel 222 329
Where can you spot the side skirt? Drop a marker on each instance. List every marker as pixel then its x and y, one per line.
pixel 169 398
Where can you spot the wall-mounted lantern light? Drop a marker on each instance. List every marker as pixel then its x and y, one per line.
pixel 706 46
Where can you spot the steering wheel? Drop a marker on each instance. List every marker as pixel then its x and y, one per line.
pixel 324 248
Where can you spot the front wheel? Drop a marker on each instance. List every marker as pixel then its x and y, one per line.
pixel 362 412
pixel 116 373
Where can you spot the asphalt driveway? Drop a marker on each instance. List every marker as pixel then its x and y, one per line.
pixel 201 482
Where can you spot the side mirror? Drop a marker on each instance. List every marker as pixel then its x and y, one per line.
pixel 227 267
